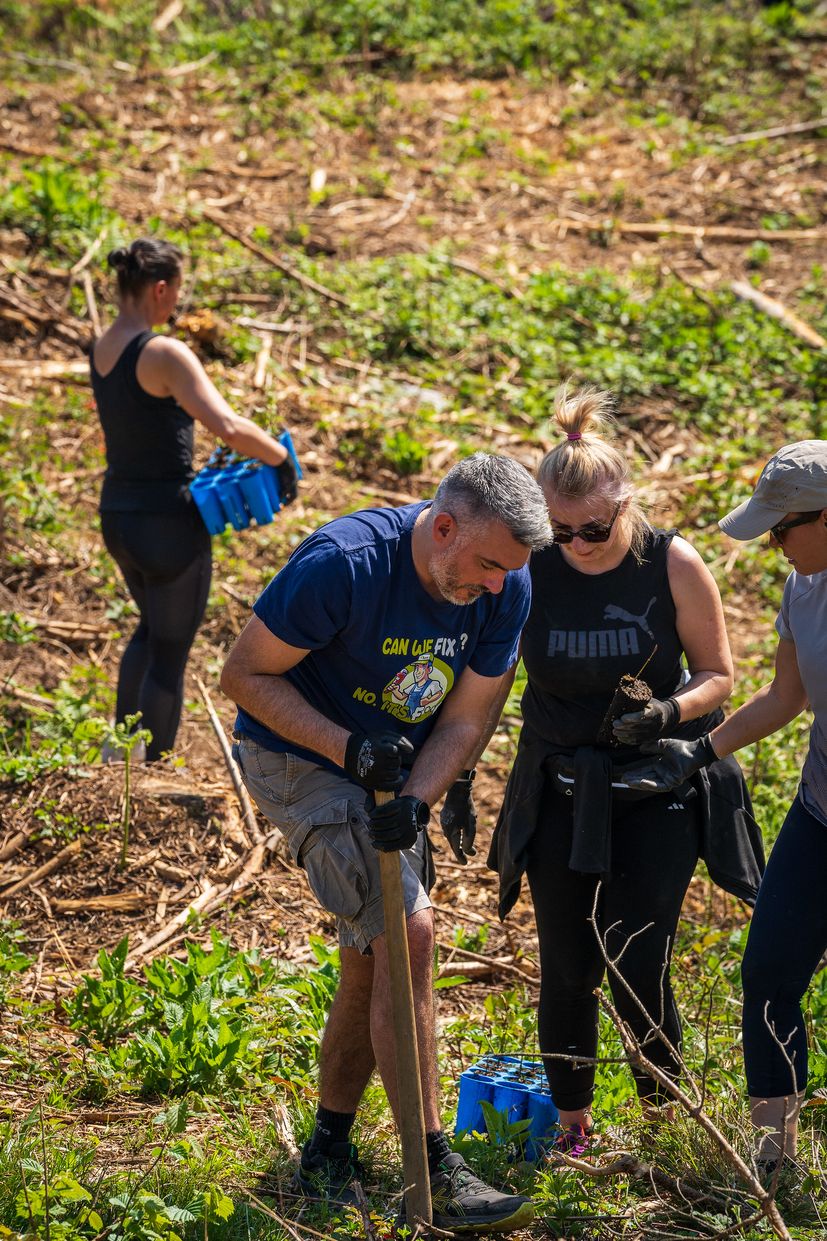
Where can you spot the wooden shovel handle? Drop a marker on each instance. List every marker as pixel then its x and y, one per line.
pixel 408 1080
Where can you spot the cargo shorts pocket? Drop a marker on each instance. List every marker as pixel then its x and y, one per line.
pixel 332 857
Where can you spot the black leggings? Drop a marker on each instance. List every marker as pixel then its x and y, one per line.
pixel 655 845
pixel 166 562
pixel 787 936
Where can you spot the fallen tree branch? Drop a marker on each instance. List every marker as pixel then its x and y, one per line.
pixel 51 368
pixel 247 811
pixel 263 359
pixel 261 325
pixel 91 304
pixel 148 946
pixel 47 868
pixel 777 131
pixel 210 899
pixel 14 845
pixel 464 265
pixel 73 630
pixel 494 963
pixel 701 232
pixel 305 281
pixel 126 902
pixel 777 310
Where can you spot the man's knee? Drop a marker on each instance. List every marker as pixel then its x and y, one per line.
pixel 421 943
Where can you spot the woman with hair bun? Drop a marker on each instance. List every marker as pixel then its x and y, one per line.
pixel 610 594
pixel 149 389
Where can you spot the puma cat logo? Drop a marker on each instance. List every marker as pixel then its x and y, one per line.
pixel 613 612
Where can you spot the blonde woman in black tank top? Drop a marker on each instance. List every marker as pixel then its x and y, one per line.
pixel 609 594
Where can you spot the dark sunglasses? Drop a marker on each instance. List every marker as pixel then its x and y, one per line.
pixel 781 529
pixel 593 532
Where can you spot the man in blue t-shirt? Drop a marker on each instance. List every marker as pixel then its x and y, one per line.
pixel 377 659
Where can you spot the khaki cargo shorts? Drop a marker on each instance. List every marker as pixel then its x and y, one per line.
pixel 324 819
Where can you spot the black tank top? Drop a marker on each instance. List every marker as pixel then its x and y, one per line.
pixel 149 440
pixel 584 631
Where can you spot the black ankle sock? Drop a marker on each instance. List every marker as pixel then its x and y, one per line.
pixel 437 1147
pixel 331 1127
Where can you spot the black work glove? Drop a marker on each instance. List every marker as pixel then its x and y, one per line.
pixel 458 817
pixel 374 760
pixel 288 480
pixel 656 719
pixel 674 762
pixel 397 823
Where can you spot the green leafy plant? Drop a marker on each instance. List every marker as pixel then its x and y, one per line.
pixel 13 960
pixel 17 629
pixel 58 208
pixel 109 1006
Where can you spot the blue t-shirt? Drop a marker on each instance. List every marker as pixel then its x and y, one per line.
pixel 382 652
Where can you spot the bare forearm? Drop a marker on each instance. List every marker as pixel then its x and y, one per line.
pixel 277 704
pixel 491 722
pixel 762 715
pixel 248 438
pixel 444 755
pixel 703 692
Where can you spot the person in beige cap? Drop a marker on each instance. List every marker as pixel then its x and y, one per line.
pixel 788 935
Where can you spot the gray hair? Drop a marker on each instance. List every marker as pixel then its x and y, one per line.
pixel 485 487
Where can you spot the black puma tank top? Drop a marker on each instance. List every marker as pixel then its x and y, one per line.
pixel 585 631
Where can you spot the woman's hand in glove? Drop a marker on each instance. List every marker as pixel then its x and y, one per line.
pixel 672 763
pixel 656 720
pixel 288 480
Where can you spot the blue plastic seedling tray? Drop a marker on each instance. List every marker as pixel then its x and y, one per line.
pixel 514 1086
pixel 240 492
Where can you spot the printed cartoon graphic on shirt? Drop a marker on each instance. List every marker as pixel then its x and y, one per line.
pixel 417 689
pixel 606 643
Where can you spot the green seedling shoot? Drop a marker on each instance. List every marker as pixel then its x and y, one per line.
pixel 125 737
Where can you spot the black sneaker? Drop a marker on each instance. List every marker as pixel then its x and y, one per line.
pixel 328 1177
pixel 463 1203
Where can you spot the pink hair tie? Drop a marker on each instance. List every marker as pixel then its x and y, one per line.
pixel 574 435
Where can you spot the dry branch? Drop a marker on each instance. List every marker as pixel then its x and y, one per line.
pixel 777 131
pixel 77 631
pixel 47 868
pixel 777 310
pixel 148 946
pixel 701 232
pixel 167 16
pixel 262 359
pixel 243 796
pixel 14 845
pixel 273 259
pixel 464 265
pixel 632 1049
pixel 51 368
pixel 263 325
pixel 91 304
pixel 88 254
pixel 126 902
pixel 494 964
